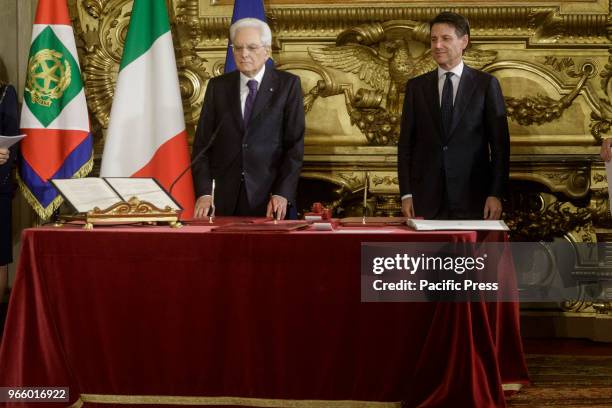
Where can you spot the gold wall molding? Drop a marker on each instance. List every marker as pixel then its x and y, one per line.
pixel 541 23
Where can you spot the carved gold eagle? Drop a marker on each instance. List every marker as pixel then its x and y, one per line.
pixel 388 65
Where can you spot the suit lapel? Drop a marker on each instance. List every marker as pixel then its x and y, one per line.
pixel 433 100
pixel 266 90
pixel 234 92
pixel 464 93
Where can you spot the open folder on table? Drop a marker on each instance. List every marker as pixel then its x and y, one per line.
pixel 453 225
pixel 85 194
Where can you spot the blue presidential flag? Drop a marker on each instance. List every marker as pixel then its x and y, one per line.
pixel 244 9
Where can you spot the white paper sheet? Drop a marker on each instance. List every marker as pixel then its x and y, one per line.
pixel 145 189
pixel 454 225
pixel 8 141
pixel 86 193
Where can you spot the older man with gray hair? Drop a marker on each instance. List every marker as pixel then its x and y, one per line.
pixel 250 136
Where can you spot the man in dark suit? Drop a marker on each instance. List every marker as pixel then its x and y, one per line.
pixel 257 156
pixel 454 146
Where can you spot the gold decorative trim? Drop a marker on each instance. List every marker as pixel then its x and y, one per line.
pixel 131 211
pixel 543 26
pixel 236 401
pixel 572 182
pixel 45 213
pixel 542 109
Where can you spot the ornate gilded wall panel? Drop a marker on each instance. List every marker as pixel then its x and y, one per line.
pixel 354 58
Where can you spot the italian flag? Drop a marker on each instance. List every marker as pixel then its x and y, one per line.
pixel 146 134
pixel 54 113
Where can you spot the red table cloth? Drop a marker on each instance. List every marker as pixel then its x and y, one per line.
pixel 153 315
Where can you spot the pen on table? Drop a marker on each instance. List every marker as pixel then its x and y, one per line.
pixel 211 217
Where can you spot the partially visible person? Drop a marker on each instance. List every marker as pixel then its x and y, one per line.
pixel 9 126
pixel 258 114
pixel 605 152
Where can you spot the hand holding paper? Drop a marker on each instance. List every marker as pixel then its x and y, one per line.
pixel 8 141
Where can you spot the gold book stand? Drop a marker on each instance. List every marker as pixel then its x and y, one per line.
pixel 131 211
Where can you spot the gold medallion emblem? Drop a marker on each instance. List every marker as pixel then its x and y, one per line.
pixel 48 77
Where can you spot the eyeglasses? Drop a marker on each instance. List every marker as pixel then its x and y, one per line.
pixel 249 48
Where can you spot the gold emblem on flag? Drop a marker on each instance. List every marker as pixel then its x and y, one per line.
pixel 49 75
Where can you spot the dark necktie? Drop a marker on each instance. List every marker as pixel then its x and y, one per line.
pixel 446 107
pixel 250 101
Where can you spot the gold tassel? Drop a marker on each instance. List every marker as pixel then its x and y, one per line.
pixel 46 212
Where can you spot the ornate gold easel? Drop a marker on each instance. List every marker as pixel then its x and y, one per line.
pixel 132 211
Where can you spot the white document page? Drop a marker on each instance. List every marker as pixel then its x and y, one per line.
pixel 471 225
pixel 86 193
pixel 145 189
pixel 8 141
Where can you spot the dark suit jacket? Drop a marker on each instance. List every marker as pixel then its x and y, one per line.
pixel 462 170
pixel 9 126
pixel 269 152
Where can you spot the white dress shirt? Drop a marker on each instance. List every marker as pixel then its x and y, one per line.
pixel 457 71
pixel 244 89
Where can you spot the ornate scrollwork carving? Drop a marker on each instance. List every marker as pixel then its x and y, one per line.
pixel 541 25
pixel 600 208
pixel 388 206
pixel 577 306
pixel 352 181
pixel 382 56
pixel 192 74
pixel 599 178
pixel 188 23
pixel 581 305
pixel 385 180
pixel 602 121
pixel 564 65
pixel 600 125
pixel 602 307
pixel 93 7
pixel 543 109
pixel 555 220
pixel 103 55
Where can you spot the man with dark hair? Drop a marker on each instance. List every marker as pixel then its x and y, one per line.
pixel 457 21
pixel 454 146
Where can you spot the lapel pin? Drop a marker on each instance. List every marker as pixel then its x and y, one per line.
pixel 271 89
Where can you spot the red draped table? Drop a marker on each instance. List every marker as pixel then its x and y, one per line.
pixel 153 315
